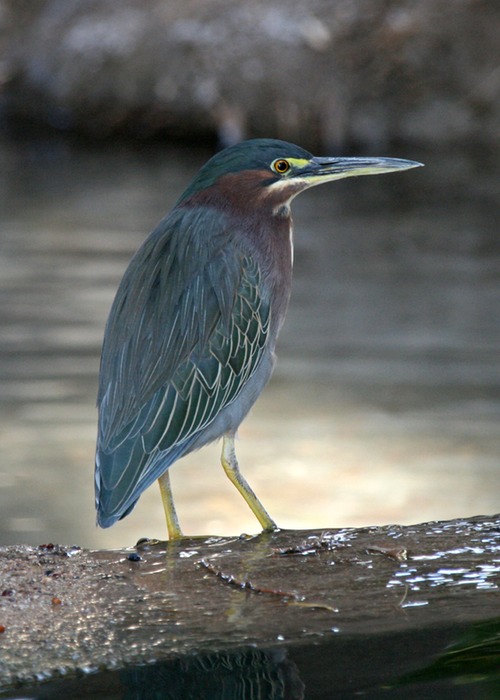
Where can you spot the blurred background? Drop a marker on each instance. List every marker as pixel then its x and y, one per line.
pixel 385 403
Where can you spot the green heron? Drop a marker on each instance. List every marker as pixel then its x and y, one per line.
pixel 189 343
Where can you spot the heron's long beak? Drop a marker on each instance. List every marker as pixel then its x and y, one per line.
pixel 320 170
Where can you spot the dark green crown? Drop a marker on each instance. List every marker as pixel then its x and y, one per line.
pixel 255 154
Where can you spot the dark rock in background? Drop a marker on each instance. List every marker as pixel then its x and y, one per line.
pixel 335 75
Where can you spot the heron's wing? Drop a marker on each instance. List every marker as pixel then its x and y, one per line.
pixel 181 282
pixel 185 334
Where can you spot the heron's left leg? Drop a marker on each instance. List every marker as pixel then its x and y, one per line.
pixel 174 529
pixel 231 467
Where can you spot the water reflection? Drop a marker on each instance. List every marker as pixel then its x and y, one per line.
pixel 385 403
pixel 456 661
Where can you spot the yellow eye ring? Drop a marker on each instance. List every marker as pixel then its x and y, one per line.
pixel 281 166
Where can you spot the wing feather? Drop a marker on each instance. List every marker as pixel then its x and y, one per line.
pixel 179 348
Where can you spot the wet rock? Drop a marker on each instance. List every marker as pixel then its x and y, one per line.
pixel 320 73
pixel 109 610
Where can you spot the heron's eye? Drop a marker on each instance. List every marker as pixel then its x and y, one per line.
pixel 281 166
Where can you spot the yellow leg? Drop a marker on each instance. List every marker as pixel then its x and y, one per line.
pixel 230 464
pixel 174 530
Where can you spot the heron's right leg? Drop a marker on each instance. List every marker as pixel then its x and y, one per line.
pixel 231 467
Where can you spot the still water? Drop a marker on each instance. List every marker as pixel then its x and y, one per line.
pixel 385 404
